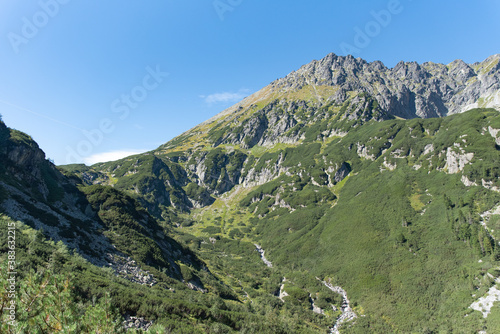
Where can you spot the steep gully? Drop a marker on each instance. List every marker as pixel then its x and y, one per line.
pixel 347 312
pixel 485 303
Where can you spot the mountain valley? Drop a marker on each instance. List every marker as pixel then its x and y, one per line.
pixel 346 197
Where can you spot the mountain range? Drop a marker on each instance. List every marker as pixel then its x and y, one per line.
pixel 345 197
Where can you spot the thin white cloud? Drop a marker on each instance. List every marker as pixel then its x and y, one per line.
pixel 225 97
pixel 109 156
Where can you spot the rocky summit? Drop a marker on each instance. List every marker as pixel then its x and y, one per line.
pixel 356 90
pixel 409 89
pixel 346 197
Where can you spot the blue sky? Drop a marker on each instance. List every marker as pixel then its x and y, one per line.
pixel 95 80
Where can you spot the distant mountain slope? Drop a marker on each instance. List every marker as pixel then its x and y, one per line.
pixel 406 232
pixel 392 211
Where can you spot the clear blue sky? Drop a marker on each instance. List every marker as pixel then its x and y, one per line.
pixel 67 65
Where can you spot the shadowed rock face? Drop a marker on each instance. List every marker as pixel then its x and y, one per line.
pixel 36 192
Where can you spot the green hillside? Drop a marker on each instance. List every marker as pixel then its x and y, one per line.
pixel 392 211
pixel 365 225
pixel 405 243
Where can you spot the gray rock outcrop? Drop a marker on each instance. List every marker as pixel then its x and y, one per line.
pixel 409 89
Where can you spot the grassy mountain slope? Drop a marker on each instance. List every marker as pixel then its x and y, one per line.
pixel 130 263
pixel 390 210
pixel 403 239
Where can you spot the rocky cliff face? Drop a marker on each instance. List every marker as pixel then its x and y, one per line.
pixel 35 192
pixel 327 97
pixel 409 89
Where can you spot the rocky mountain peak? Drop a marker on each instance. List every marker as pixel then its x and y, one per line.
pixel 409 89
pixel 342 91
pixel 493 57
pixel 461 71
